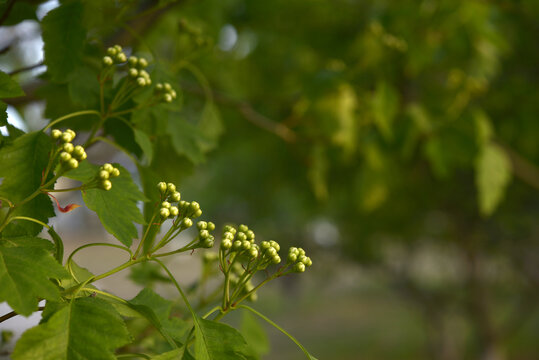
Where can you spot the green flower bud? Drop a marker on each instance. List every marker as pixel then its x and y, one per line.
pixel 118 48
pixel 202 225
pixel 107 61
pixel 173 94
pixel 141 81
pixel 55 134
pixel 301 252
pixel 243 228
pixel 236 245
pixel 77 150
pixel 133 73
pixel 133 60
pixel 104 175
pixel 194 206
pixel 253 297
pixel 241 236
pixel 65 156
pixel 299 267
pixel 162 187
pixel 253 253
pixel 115 172
pixel 159 87
pixel 207 243
pixel 293 250
pixel 142 62
pixel 67 137
pixel 164 212
pixel 107 167
pixel 204 234
pixel 276 259
pixel 167 98
pixel 302 259
pixel 174 211
pixel 73 163
pixel 167 87
pixel 144 74
pixel 226 244
pixel 73 134
pixel 106 185
pixel 112 51
pixel 120 57
pixel 292 257
pixel 171 187
pixel 228 235
pixel 82 156
pixel 271 252
pixel 307 261
pixel 165 204
pixel 68 147
pixel 245 244
pixel 187 223
pixel 197 213
pixel 176 196
pixel 211 226
pixel 265 245
pixel 250 235
pixel 275 245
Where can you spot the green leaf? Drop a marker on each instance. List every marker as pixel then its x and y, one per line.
pixel 211 127
pixel 143 140
pixel 26 265
pixel 117 208
pixel 174 355
pixel 157 304
pixel 63 35
pixel 22 164
pixel 493 173
pixel 83 87
pixel 187 139
pixel 3 114
pixel 254 334
pixel 216 340
pixel 8 87
pixel 85 328
pixel 385 104
pixel 21 11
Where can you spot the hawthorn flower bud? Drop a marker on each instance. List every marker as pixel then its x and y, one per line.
pixel 83 156
pixel 171 187
pixel 77 150
pixel 107 61
pixel 228 235
pixel 299 267
pixel 301 252
pixel 68 147
pixel 211 226
pixel 106 185
pixel 133 73
pixel 173 93
pixel 104 175
pixel 120 57
pixel 292 257
pixel 243 228
pixel 115 172
pixel 207 243
pixel 204 234
pixel 236 245
pixel 241 236
pixel 307 261
pixel 174 211
pixel 265 245
pixel 271 252
pixel 67 137
pixel 276 259
pixel 197 213
pixel 194 206
pixel 202 225
pixel 159 87
pixel 133 60
pixel 55 134
pixel 118 48
pixel 65 156
pixel 187 223
pixel 107 167
pixel 162 187
pixel 176 196
pixel 165 204
pixel 245 244
pixel 73 163
pixel 142 62
pixel 164 212
pixel 167 87
pixel 144 74
pixel 250 235
pixel 112 51
pixel 253 252
pixel 167 98
pixel 141 81
pixel 226 244
pixel 275 245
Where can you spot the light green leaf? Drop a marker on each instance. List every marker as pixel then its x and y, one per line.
pixel 8 87
pixel 117 208
pixel 385 103
pixel 22 163
pixel 216 340
pixel 187 139
pixel 143 140
pixel 492 175
pixel 63 35
pixel 26 265
pixel 174 355
pixel 211 127
pixel 159 306
pixel 254 334
pixel 85 328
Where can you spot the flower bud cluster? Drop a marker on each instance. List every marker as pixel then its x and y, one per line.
pixel 165 92
pixel 183 209
pixel 137 72
pixel 70 155
pixel 206 239
pixel 106 172
pixel 115 55
pixel 298 259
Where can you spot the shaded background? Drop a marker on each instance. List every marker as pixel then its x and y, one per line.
pixel 395 141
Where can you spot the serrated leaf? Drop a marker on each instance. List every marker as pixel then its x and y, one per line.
pixel 63 35
pixel 117 208
pixel 9 88
pixel 216 340
pixel 85 328
pixel 254 334
pixel 493 173
pixel 26 265
pixel 21 165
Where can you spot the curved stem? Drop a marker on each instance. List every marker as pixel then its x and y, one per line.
pixel 104 293
pixel 211 311
pixel 177 285
pixel 69 259
pixel 29 219
pixel 309 356
pixel 72 115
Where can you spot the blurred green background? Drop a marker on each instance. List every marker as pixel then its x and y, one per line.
pixel 396 141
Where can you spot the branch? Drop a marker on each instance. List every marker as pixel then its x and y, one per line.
pixel 26 68
pixel 13 314
pixel 5 15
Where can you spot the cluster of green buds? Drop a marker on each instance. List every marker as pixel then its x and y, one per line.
pixel 69 154
pixel 137 72
pixel 240 258
pixel 165 92
pixel 205 237
pixel 106 172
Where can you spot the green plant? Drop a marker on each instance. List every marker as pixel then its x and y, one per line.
pixel 33 269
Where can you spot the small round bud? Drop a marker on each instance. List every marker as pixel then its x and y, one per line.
pixel 159 87
pixel 253 253
pixel 164 212
pixel 55 134
pixel 293 250
pixel 187 223
pixel 226 244
pixel 228 235
pixel 299 267
pixel 202 225
pixel 141 81
pixel 194 206
pixel 243 228
pixel 241 236
pixel 144 74
pixel 167 87
pixel 65 156
pixel 142 62
pixel 302 258
pixel 171 187
pixel 236 245
pixel 111 51
pixel 265 245
pixel 250 235
pixel 69 131
pixel 174 211
pixel 133 60
pixel 204 234
pixel 173 94
pixel 207 243
pixel 67 137
pixel 162 187
pixel 211 226
pixel 197 213
pixel 271 252
pixel 68 147
pixel 292 257
pixel 73 163
pixel 115 172
pixel 276 259
pixel 307 261
pixel 106 185
pixel 275 245
pixel 167 98
pixel 301 252
pixel 77 150
pixel 253 297
pixel 107 61
pixel 176 196
pixel 133 73
pixel 120 57
pixel 104 175
pixel 82 156
pixel 107 167
pixel 245 244
pixel 165 204
pixel 118 48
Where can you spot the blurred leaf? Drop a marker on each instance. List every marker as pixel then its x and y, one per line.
pixel 385 105
pixel 83 87
pixel 254 334
pixel 21 11
pixel 187 139
pixel 211 127
pixel 143 140
pixel 3 114
pixel 483 126
pixel 493 173
pixel 8 87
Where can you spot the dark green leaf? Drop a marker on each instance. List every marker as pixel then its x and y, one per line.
pixel 63 35
pixel 83 87
pixel 385 105
pixel 21 11
pixel 211 127
pixel 85 328
pixel 187 139
pixel 254 334
pixel 26 265
pixel 8 87
pixel 3 113
pixel 143 140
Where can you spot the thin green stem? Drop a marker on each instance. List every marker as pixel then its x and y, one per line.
pixel 177 286
pixel 280 329
pixel 104 293
pixel 70 258
pixel 72 115
pixel 211 312
pixel 64 190
pixel 6 200
pixel 144 236
pixel 29 219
